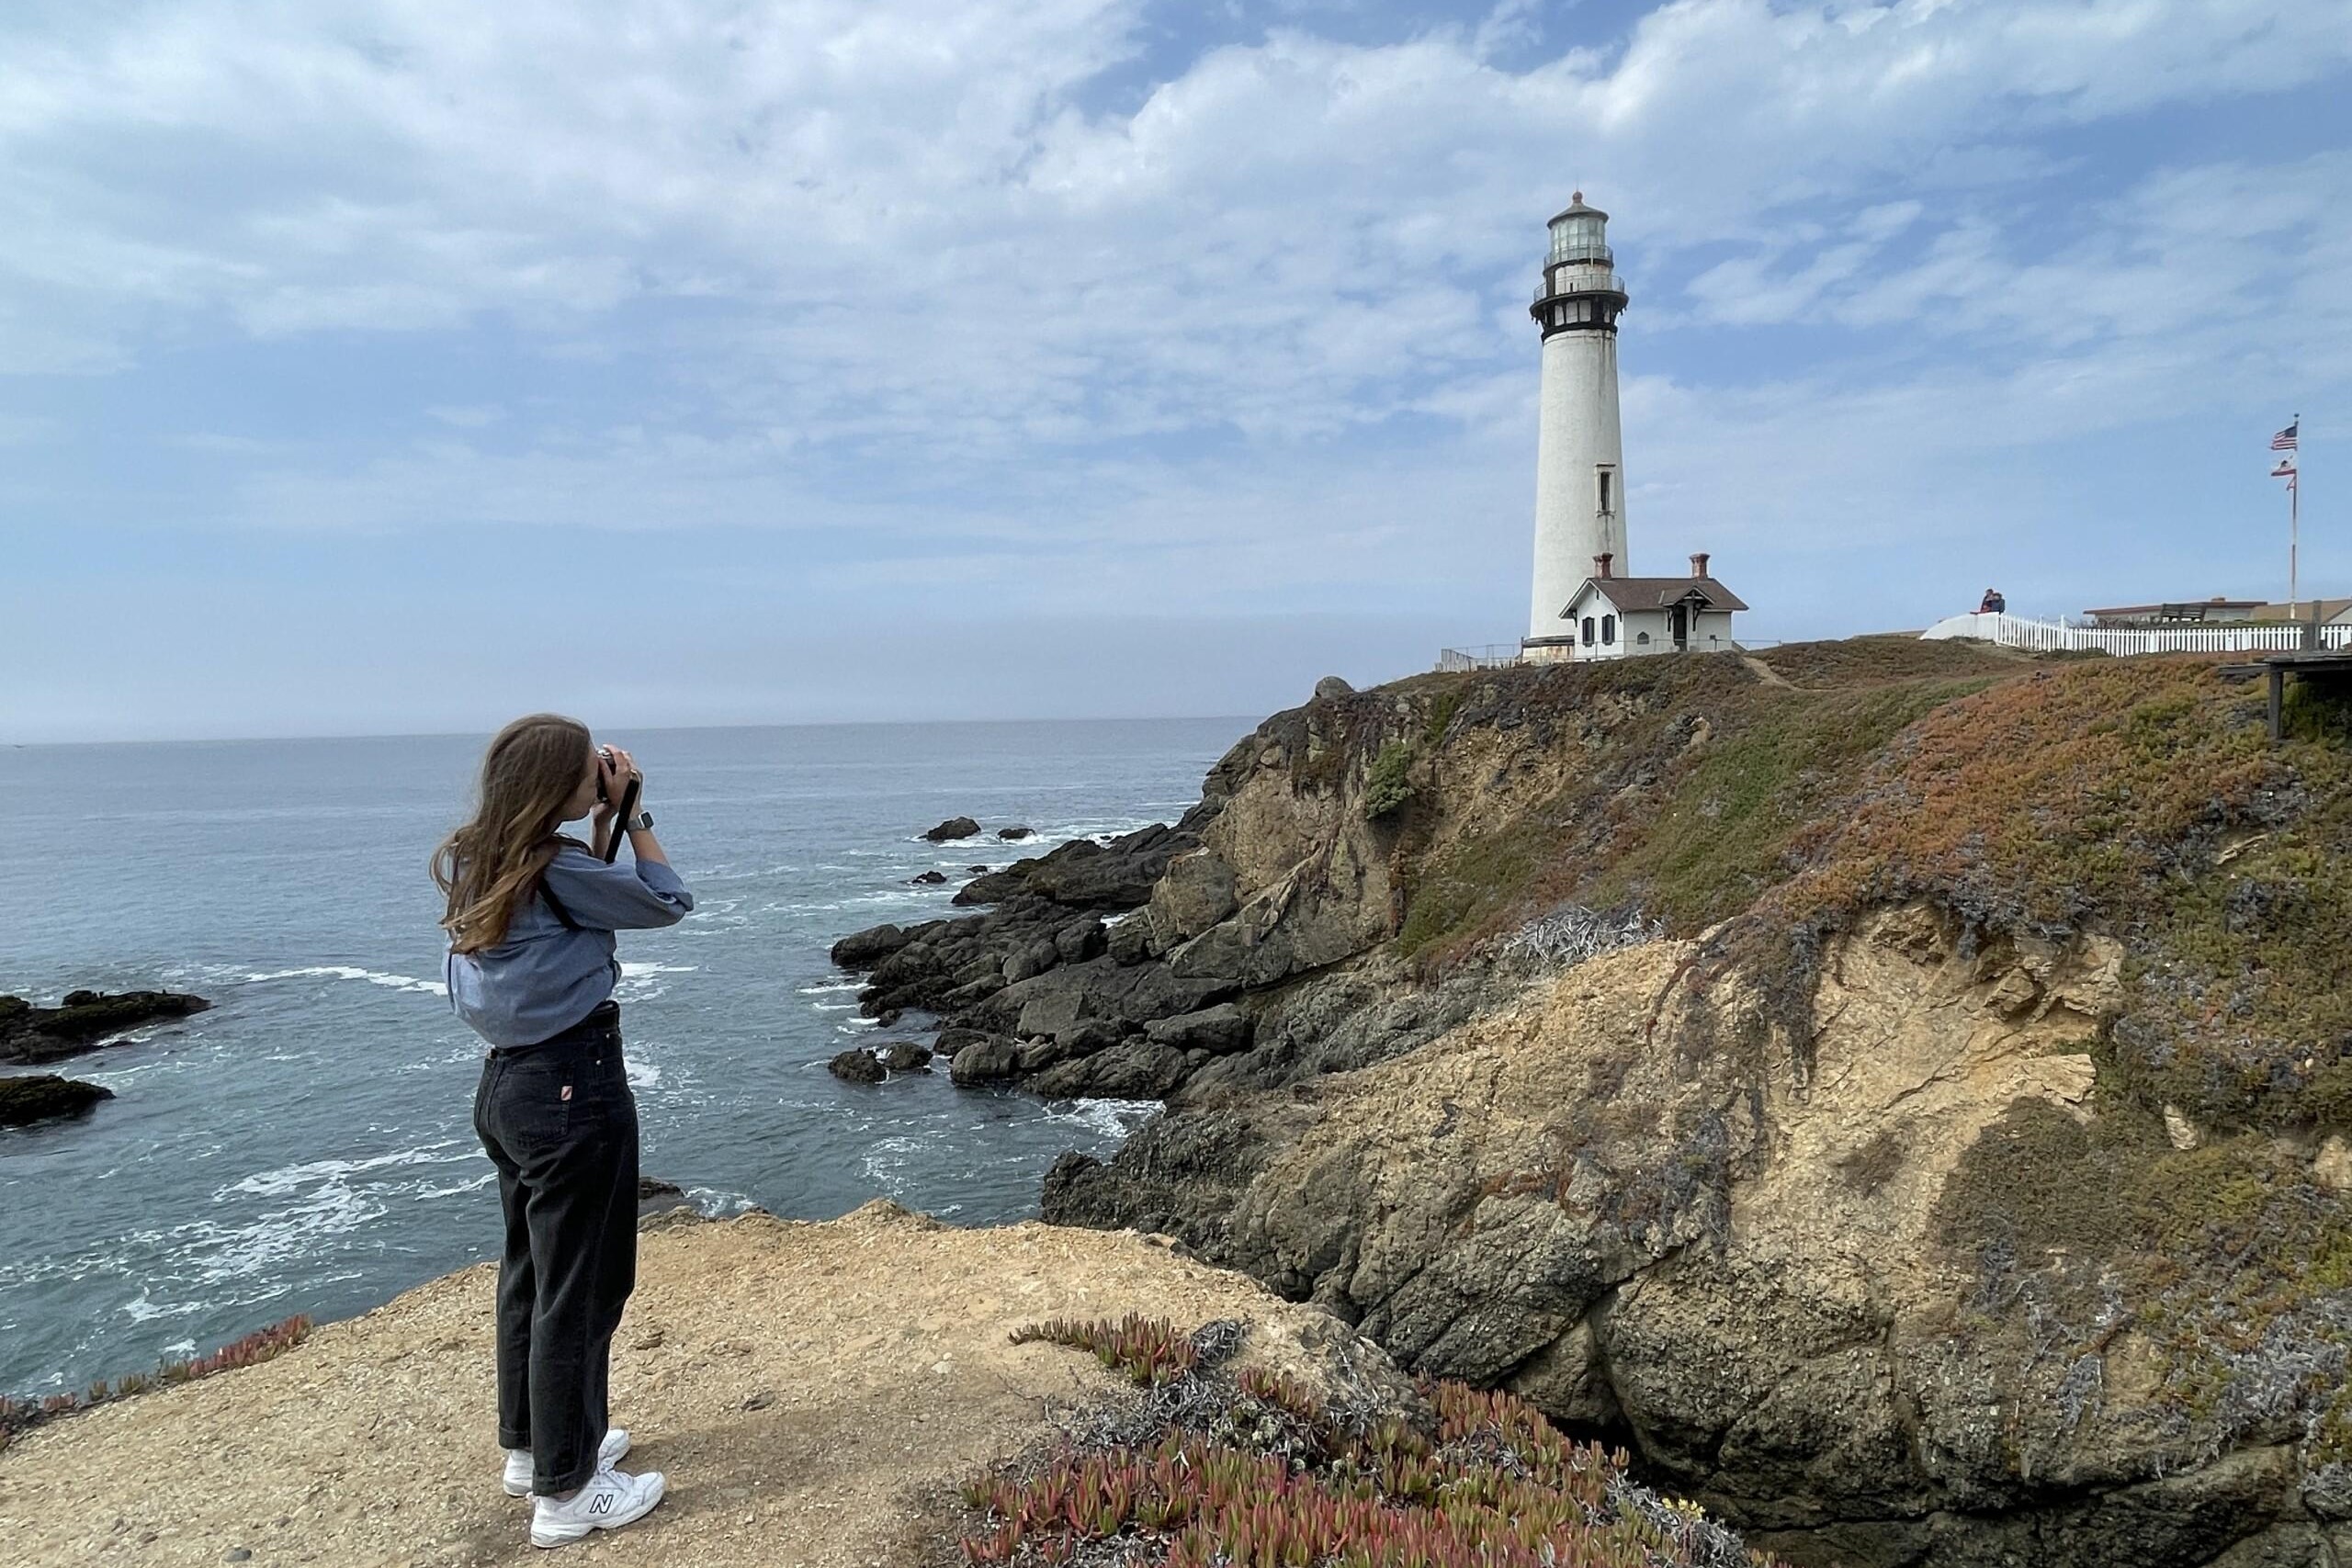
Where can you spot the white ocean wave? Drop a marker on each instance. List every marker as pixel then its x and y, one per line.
pixel 292 1178
pixel 145 1308
pixel 886 1160
pixel 351 972
pixel 717 1202
pixel 735 874
pixel 1104 1118
pixel 479 1182
pixel 459 1056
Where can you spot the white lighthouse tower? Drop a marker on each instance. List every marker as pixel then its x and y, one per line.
pixel 1579 461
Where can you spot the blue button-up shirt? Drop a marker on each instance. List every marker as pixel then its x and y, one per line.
pixel 547 976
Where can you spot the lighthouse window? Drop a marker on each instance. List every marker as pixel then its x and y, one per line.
pixel 1605 477
pixel 1608 631
pixel 1587 631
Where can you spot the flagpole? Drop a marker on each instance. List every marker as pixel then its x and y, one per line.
pixel 2295 523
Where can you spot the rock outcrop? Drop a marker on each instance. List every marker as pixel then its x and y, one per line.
pixel 42 1097
pixel 82 1020
pixel 655 1196
pixel 857 1065
pixel 1168 958
pixel 953 829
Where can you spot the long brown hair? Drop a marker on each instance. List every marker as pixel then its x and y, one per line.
pixel 487 867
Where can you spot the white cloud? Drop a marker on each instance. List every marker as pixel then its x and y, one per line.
pixel 900 284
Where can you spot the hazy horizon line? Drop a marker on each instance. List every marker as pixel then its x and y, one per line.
pixel 631 728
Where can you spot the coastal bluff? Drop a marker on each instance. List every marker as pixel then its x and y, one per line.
pixel 815 1392
pixel 1900 1090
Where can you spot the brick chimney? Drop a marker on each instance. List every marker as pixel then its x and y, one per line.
pixel 1601 565
pixel 1699 564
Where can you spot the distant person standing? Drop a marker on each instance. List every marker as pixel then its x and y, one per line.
pixel 1993 604
pixel 531 967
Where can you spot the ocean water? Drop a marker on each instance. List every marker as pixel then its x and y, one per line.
pixel 307 1145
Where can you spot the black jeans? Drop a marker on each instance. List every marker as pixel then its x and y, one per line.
pixel 559 1122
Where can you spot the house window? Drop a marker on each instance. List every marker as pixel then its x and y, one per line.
pixel 1641 639
pixel 1587 631
pixel 1608 631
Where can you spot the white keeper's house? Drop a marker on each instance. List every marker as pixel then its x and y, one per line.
pixel 1622 617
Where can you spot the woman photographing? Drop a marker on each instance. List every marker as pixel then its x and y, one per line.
pixel 531 968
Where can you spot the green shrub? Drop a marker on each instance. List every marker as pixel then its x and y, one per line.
pixel 1389 786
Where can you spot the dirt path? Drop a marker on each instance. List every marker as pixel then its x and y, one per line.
pixel 806 1387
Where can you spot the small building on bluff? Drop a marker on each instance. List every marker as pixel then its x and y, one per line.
pixel 1624 617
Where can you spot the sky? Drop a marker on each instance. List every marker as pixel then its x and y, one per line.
pixel 373 367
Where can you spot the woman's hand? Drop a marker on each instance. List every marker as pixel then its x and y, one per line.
pixel 615 768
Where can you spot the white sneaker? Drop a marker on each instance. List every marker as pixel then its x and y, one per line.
pixel 610 1500
pixel 609 1453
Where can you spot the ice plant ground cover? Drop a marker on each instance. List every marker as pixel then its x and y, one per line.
pixel 1254 1472
pixel 16 1415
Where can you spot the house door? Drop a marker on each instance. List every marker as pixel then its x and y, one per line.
pixel 1680 622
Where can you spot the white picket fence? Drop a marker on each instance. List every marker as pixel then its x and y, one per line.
pixel 2052 637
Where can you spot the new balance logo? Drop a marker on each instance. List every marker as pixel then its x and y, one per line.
pixel 601 1503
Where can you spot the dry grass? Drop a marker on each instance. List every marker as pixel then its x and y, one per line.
pixel 2029 798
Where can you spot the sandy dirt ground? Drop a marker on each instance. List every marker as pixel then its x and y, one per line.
pixel 811 1391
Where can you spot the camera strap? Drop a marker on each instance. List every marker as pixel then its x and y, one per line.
pixel 554 904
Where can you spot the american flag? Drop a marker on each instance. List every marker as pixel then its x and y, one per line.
pixel 2284 440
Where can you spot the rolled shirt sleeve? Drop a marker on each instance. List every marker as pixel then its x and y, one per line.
pixel 639 896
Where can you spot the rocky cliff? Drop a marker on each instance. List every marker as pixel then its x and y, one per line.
pixel 1897 1088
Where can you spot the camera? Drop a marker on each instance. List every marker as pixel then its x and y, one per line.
pixel 605 759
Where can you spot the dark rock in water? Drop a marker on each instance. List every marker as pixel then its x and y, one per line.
pixel 990 1058
pixel 859 1065
pixel 1085 874
pixel 954 828
pixel 1014 835
pixel 42 1096
pixel 904 1057
pixel 950 1041
pixel 864 949
pixel 1137 1069
pixel 1331 686
pixel 1089 1035
pixel 928 878
pixel 655 1196
pixel 85 1021
pixel 888 1017
pixel 977 869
